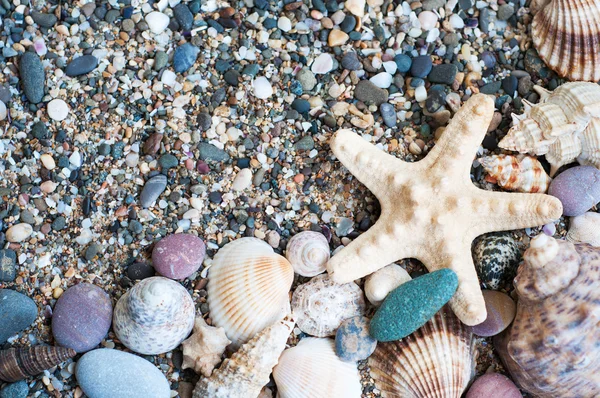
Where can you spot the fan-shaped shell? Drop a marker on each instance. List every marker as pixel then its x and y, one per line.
pixel 154 317
pixel 21 363
pixel 436 361
pixel 517 173
pixel 566 34
pixel 321 305
pixel 308 252
pixel 248 288
pixel 311 369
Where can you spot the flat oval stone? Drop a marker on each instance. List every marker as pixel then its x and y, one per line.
pixel 17 312
pixel 81 65
pixel 152 190
pixel 20 389
pixel 57 109
pixel 8 262
pixel 107 373
pixel 577 188
pixel 501 310
pixel 493 385
pixel 352 340
pixel 19 232
pixel 82 317
pixel 33 77
pixel 178 256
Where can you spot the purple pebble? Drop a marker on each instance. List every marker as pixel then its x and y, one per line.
pixel 577 188
pixel 493 385
pixel 501 310
pixel 178 256
pixel 82 317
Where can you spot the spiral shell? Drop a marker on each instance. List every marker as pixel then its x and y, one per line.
pixel 308 252
pixel 248 288
pixel 517 173
pixel 20 363
pixel 154 317
pixel 437 360
pixel 311 369
pixel 566 34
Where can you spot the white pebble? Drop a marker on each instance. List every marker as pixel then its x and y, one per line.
pixel 58 109
pixel 420 94
pixel 157 22
pixel 3 111
pixel 262 88
pixel 168 77
pixel 382 80
pixel 242 180
pixel 284 24
pixel 356 7
pixel 131 160
pixel 48 161
pixel 456 21
pixel 428 20
pixel 322 65
pixel 18 233
pixel 390 67
pixel 75 159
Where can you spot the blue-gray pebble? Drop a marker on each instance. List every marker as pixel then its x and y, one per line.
pixel 352 340
pixel 20 389
pixel 388 113
pixel 8 263
pixel 403 62
pixel 81 65
pixel 152 190
pixel 33 77
pixel 17 312
pixel 421 66
pixel 184 57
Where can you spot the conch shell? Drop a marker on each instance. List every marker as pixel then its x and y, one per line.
pixel 517 173
pixel 203 350
pixel 308 252
pixel 585 229
pixel 552 349
pixel 437 360
pixel 154 317
pixel 20 363
pixel 566 34
pixel 248 288
pixel 248 370
pixel 311 369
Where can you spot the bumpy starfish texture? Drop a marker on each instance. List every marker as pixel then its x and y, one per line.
pixel 430 210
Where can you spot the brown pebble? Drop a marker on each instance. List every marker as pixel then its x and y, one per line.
pixel 152 144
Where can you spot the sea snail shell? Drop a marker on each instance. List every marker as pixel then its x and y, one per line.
pixel 308 252
pixel 20 363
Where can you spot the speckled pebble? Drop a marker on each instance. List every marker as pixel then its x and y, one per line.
pixel 496 257
pixel 20 389
pixel 8 263
pixel 578 189
pixel 178 256
pixel 493 385
pixel 139 271
pixel 352 340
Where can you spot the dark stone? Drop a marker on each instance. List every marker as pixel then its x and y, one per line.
pixel 204 121
pixel 301 105
pixel 403 62
pixel 350 61
pixel 510 84
pixel 184 57
pixel 81 65
pixel 348 24
pixel 435 100
pixel 168 161
pixel 44 20
pixel 491 88
pixel 153 188
pixel 184 16
pixel 138 271
pixel 215 197
pixel 369 93
pixel 8 264
pixel 232 77
pixel 210 152
pixel 59 223
pixel 20 389
pixel 33 77
pixel 443 74
pixel 40 131
pixel 421 66
pixel 17 312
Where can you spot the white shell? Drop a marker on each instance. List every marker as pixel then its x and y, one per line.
pixel 321 305
pixel 203 350
pixel 380 283
pixel 308 252
pixel 311 369
pixel 154 317
pixel 248 288
pixel 585 229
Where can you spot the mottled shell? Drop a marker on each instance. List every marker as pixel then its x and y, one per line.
pixel 381 282
pixel 496 257
pixel 551 349
pixel 311 369
pixel 248 288
pixel 436 361
pixel 154 317
pixel 308 252
pixel 517 173
pixel 566 34
pixel 203 350
pixel 321 305
pixel 248 370
pixel 20 363
pixel 585 229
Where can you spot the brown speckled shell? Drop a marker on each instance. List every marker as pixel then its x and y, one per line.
pixel 517 173
pixel 20 363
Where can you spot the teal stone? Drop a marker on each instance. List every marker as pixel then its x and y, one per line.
pixel 412 304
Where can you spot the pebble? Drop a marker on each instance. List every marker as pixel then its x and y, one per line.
pixel 43 19
pixel 388 113
pixel 33 77
pixel 403 62
pixel 184 57
pixel 322 65
pixel 456 21
pixel 578 189
pixel 204 122
pixel 352 340
pixel 160 60
pixel 488 58
pixel 139 271
pixel 20 389
pixel 525 85
pixel 493 385
pixel 109 373
pixel 184 16
pixel 491 88
pixel 501 310
pixel 178 256
pixel 369 93
pixel 306 143
pixel 301 105
pixel 505 11
pixel 435 100
pixel 8 263
pixel 242 180
pixel 58 109
pixel 420 94
pixel 3 111
pixel 17 313
pixel 421 66
pixel 382 80
pixel 428 20
pixel 208 151
pixel 510 84
pixel 81 65
pixel 350 61
pixel 433 4
pixel 82 316
pixel 412 304
pixel 262 88
pixel 152 190
pixel 337 38
pixel 444 74
pixel 284 24
pixel 496 257
pixel 48 161
pixel 453 101
pixel 157 22
pixel 19 232
pixel 356 7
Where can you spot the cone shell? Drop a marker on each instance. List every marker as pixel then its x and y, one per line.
pixel 154 317
pixel 517 173
pixel 308 252
pixel 311 369
pixel 436 361
pixel 20 363
pixel 248 288
pixel 566 34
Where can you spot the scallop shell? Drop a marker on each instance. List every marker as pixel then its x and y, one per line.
pixel 311 369
pixel 381 282
pixel 517 173
pixel 154 317
pixel 436 361
pixel 566 34
pixel 203 350
pixel 248 370
pixel 321 305
pixel 585 229
pixel 308 252
pixel 20 363
pixel 248 288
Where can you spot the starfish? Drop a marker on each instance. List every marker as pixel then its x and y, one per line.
pixel 430 210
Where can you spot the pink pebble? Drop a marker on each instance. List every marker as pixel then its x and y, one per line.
pixel 493 385
pixel 178 256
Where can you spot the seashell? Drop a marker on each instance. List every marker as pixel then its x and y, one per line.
pixel 154 317
pixel 517 173
pixel 381 282
pixel 437 360
pixel 20 363
pixel 311 369
pixel 590 144
pixel 203 350
pixel 321 305
pixel 496 257
pixel 566 34
pixel 308 252
pixel 551 349
pixel 248 370
pixel 248 288
pixel 585 229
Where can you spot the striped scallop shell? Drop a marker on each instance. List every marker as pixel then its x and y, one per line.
pixel 566 34
pixel 248 288
pixel 517 173
pixel 20 363
pixel 154 317
pixel 436 361
pixel 311 369
pixel 308 252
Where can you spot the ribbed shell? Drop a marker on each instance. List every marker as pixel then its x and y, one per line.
pixel 590 144
pixel 248 288
pixel 517 173
pixel 566 34
pixel 20 363
pixel 154 317
pixel 308 252
pixel 311 369
pixel 436 361
pixel 585 229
